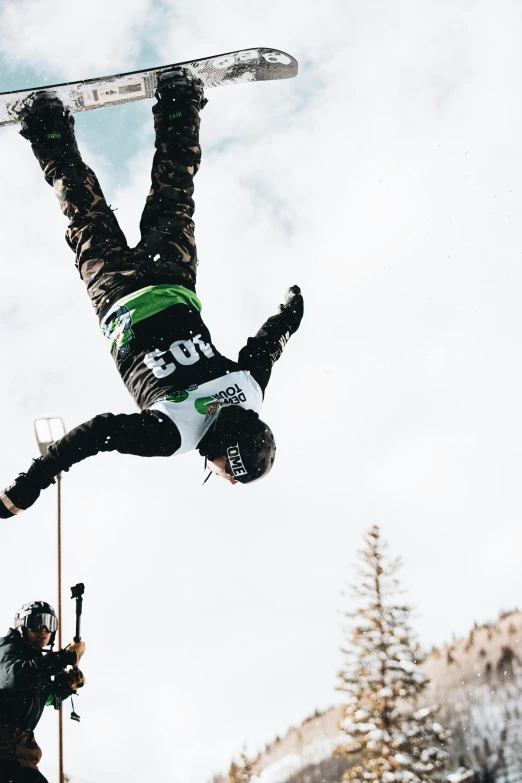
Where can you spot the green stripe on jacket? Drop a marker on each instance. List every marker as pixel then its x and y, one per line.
pixel 142 304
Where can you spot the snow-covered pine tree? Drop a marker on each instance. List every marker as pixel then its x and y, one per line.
pixel 386 736
pixel 240 772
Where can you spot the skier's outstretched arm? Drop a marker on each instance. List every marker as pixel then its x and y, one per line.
pixel 262 351
pixel 146 434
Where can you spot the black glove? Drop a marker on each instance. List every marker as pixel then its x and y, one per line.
pixel 292 292
pixel 27 487
pixel 69 680
pixel 293 304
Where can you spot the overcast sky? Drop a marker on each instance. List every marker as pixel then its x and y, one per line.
pixel 385 181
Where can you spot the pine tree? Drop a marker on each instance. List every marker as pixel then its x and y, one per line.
pixel 241 772
pixel 388 739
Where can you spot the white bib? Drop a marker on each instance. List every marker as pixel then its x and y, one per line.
pixel 193 410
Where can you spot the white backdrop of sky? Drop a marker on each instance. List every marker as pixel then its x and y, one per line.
pixel 385 181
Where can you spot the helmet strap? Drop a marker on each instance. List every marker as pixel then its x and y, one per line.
pixel 209 473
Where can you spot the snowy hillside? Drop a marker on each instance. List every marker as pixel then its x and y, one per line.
pixel 478 683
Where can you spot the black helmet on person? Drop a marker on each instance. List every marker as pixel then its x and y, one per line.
pixel 36 615
pixel 247 443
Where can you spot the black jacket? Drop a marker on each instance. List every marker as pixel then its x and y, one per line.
pixel 25 680
pixel 149 433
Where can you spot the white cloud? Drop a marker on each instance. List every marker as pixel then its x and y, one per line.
pixel 74 40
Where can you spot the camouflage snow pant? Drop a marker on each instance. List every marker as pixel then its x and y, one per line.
pixel 19 756
pixel 166 252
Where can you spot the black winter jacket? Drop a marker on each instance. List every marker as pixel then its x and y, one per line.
pixel 25 680
pixel 152 371
pixel 149 433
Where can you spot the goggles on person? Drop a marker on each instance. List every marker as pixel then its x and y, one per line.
pixel 36 622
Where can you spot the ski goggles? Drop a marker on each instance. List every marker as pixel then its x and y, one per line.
pixel 44 620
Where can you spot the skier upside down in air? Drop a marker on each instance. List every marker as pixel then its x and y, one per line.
pixel 189 395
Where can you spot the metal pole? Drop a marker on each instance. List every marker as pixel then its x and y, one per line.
pixel 60 712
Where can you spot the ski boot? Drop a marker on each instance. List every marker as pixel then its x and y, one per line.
pixel 47 123
pixel 178 90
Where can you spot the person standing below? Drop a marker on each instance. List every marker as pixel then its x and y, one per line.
pixel 30 679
